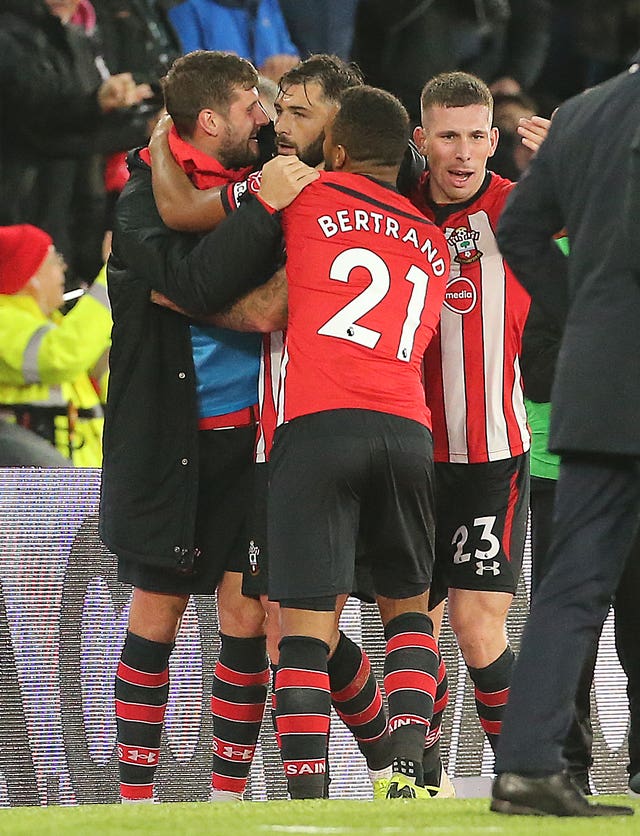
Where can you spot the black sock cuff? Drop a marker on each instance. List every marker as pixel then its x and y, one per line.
pixel 247 655
pixel 498 671
pixel 345 662
pixel 145 654
pixel 304 651
pixel 416 622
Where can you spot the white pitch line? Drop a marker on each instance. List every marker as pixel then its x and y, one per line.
pixel 281 828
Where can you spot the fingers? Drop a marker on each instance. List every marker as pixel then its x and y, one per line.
pixel 121 91
pixel 283 178
pixel 533 131
pixel 160 132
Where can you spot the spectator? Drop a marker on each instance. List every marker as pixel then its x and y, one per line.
pixel 398 45
pixel 45 358
pixel 321 25
pixel 253 29
pixel 60 109
pixel 136 36
pixel 512 156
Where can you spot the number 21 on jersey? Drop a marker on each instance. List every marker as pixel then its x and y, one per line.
pixel 344 324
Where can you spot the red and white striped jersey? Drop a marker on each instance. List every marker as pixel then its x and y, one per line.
pixel 268 386
pixel 366 277
pixel 472 366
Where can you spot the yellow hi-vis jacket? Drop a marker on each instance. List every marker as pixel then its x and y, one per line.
pixel 46 361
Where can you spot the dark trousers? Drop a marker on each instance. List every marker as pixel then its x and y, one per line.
pixel 578 745
pixel 627 628
pixel 595 521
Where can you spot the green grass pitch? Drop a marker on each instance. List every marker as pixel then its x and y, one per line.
pixel 458 817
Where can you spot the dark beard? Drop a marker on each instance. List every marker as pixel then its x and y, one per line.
pixel 237 157
pixel 312 154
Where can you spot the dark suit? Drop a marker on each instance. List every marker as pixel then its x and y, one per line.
pixel 578 181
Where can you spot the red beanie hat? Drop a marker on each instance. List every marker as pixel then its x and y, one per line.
pixel 23 248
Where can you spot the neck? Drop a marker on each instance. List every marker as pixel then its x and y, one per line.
pixel 384 173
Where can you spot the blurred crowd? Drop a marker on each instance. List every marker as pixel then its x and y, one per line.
pixel 80 86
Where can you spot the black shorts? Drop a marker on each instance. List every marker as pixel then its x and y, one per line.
pixel 481 523
pixel 225 481
pixel 256 559
pixel 255 574
pixel 347 480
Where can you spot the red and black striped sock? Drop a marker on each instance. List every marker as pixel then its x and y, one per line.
pixel 410 675
pixel 238 697
pixel 303 710
pixel 141 692
pixel 431 759
pixel 492 692
pixel 358 702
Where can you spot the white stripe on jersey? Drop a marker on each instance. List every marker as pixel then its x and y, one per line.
pixel 453 378
pixel 493 315
pixel 518 406
pixel 283 379
pixel 260 455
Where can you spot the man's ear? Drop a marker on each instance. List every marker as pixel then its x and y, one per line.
pixel 209 121
pixel 420 138
pixel 339 157
pixel 494 136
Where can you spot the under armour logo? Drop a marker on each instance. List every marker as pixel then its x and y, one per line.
pixel 493 567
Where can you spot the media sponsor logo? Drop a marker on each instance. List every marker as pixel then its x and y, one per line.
pixel 460 295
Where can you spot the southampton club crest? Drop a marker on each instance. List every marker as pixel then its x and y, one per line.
pixel 464 240
pixel 254 554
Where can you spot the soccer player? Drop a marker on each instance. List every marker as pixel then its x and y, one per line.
pixel 179 428
pixel 473 388
pixel 309 95
pixel 366 277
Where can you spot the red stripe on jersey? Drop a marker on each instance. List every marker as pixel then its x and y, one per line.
pixel 302 724
pixel 138 755
pixel 228 784
pixel 410 680
pixel 434 390
pixel 313 767
pixel 235 752
pixel 147 680
pixel 225 674
pixel 357 683
pixel 300 678
pixel 241 712
pixel 268 387
pixel 402 640
pixel 492 698
pixel 491 726
pixel 140 713
pixel 364 716
pixel 508 521
pixel 136 792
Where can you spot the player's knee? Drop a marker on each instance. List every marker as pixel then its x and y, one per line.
pixel 156 617
pixel 241 617
pixel 480 633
